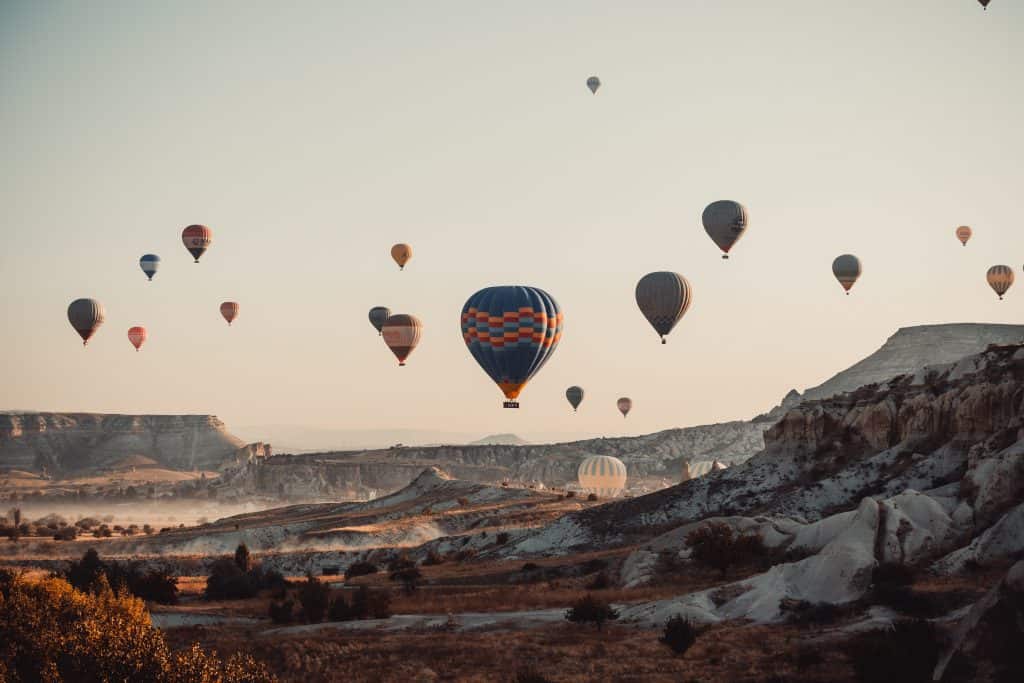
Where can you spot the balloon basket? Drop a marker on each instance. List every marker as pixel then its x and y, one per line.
pixel 511 404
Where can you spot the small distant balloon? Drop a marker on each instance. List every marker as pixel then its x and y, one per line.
pixel 229 309
pixel 402 333
pixel 197 239
pixel 86 316
pixel 137 336
pixel 984 3
pixel 999 279
pixel 378 316
pixel 847 269
pixel 725 221
pixel 625 405
pixel 574 395
pixel 593 83
pixel 963 233
pixel 149 263
pixel 663 297
pixel 401 253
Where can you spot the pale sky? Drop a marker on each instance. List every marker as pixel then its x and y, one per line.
pixel 310 139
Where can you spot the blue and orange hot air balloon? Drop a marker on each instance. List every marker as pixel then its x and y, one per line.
pixel 511 331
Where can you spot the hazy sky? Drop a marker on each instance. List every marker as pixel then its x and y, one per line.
pixel 310 139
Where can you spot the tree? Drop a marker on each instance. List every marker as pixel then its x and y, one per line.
pixel 679 634
pixel 314 597
pixel 228 582
pixel 589 609
pixel 242 558
pixel 406 571
pixel 718 546
pixel 15 516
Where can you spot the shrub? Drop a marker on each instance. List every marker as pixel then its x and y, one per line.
pixel 65 533
pixel 147 529
pixel 83 574
pixel 464 554
pixel 368 604
pixel 907 653
pixel 892 574
pixel 530 566
pixel 463 502
pixel 679 634
pixel 718 546
pixel 340 610
pixel 599 583
pixel 361 568
pixel 501 538
pixel 806 614
pixel 314 598
pixel 159 585
pixel 228 582
pixel 242 558
pixel 281 612
pixel 406 572
pixel 589 609
pixel 330 570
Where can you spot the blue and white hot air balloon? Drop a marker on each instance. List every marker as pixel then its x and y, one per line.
pixel 150 263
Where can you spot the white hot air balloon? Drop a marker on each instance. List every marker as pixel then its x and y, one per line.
pixel 602 475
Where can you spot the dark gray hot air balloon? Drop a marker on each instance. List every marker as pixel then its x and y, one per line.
pixel 725 221
pixel 999 279
pixel 575 396
pixel 593 83
pixel 847 269
pixel 86 316
pixel 378 316
pixel 663 298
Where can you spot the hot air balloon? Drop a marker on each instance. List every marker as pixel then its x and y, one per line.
pixel 137 336
pixel 593 83
pixel 1000 278
pixel 602 475
pixel 86 316
pixel 575 396
pixel 847 269
pixel 149 263
pixel 511 331
pixel 229 309
pixel 196 239
pixel 963 233
pixel 625 405
pixel 401 253
pixel 378 316
pixel 402 333
pixel 725 222
pixel 663 298
pixel 984 3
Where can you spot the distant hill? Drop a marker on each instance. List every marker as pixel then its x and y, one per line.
pixel 500 440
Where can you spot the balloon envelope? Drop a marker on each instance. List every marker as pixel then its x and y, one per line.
pixel 229 309
pixel 402 333
pixel 197 239
pixel 999 279
pixel 847 269
pixel 149 263
pixel 963 233
pixel 725 221
pixel 593 83
pixel 575 396
pixel 511 331
pixel 378 316
pixel 663 298
pixel 602 475
pixel 401 253
pixel 625 405
pixel 137 336
pixel 86 316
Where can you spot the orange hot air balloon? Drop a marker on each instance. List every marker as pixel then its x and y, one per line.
pixel 137 336
pixel 229 309
pixel 402 333
pixel 963 233
pixel 196 238
pixel 401 253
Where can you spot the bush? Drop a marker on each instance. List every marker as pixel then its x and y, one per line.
pixel 228 582
pixel 158 585
pixel 281 612
pixel 806 614
pixel 892 574
pixel 718 546
pixel 53 632
pixel 570 494
pixel 83 575
pixel 599 583
pixel 589 609
pixel 679 634
pixel 368 604
pixel 242 558
pixel 314 598
pixel 501 538
pixel 907 653
pixel 463 502
pixel 464 554
pixel 406 572
pixel 361 568
pixel 340 610
pixel 530 566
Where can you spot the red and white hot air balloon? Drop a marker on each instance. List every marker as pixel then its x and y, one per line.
pixel 197 239
pixel 402 333
pixel 229 309
pixel 137 336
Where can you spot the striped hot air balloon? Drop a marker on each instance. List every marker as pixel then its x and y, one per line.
pixel 401 253
pixel 229 309
pixel 86 316
pixel 378 316
pixel 625 405
pixel 511 331
pixel 593 83
pixel 402 333
pixel 602 475
pixel 149 263
pixel 999 279
pixel 137 336
pixel 197 238
pixel 574 395
pixel 663 298
pixel 725 221
pixel 847 269
pixel 963 233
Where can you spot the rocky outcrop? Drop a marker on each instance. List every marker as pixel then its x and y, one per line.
pixel 72 443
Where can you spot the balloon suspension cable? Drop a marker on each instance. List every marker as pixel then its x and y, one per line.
pixel 511 404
